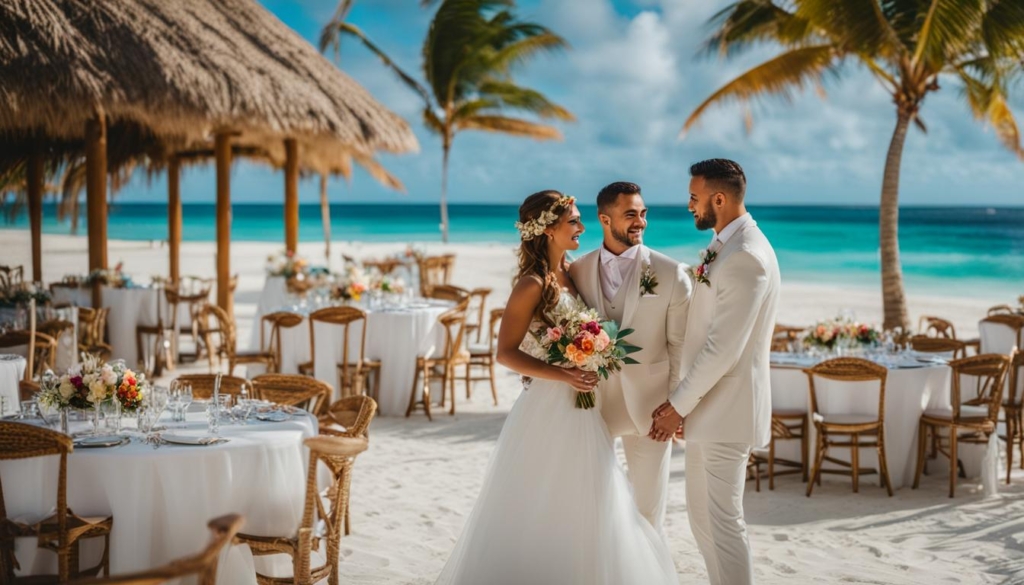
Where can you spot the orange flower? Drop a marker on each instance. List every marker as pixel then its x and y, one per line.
pixel 587 345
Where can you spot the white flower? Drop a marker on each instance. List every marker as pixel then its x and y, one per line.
pixel 66 389
pixel 97 391
pixel 108 375
pixel 75 369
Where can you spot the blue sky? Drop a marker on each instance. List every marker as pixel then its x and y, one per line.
pixel 631 77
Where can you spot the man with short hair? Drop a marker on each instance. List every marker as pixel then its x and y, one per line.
pixel 649 293
pixel 723 403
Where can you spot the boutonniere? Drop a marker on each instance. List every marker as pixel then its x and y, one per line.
pixel 647 281
pixel 701 272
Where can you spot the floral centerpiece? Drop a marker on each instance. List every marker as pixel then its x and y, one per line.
pixel 23 293
pixel 387 284
pixel 351 283
pixel 287 264
pixel 90 382
pixel 109 276
pixel 579 339
pixel 840 331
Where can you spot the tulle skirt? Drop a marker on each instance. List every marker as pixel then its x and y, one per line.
pixel 555 507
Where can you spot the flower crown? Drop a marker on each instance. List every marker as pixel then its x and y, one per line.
pixel 535 227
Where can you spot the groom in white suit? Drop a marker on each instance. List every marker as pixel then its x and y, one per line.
pixel 648 292
pixel 723 404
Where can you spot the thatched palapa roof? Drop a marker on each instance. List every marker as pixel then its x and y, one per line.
pixel 169 74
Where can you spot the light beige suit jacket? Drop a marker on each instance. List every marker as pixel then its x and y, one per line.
pixel 726 393
pixel 658 321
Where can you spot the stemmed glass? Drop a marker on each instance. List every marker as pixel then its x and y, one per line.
pixel 244 404
pixel 180 399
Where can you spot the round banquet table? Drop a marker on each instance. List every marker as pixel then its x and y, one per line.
pixel 911 387
pixel 129 307
pixel 162 498
pixel 394 336
pixel 12 369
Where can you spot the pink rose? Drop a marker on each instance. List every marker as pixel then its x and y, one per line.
pixel 702 269
pixel 601 341
pixel 554 333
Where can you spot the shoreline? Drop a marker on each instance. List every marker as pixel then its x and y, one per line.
pixel 490 265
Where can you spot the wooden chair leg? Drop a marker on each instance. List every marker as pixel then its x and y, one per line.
pixel 426 391
pixel 883 466
pixel 819 455
pixel 953 460
pixel 805 445
pixel 922 439
pixel 1010 437
pixel 412 393
pixel 771 465
pixel 468 383
pixel 494 388
pixel 855 460
pixel 450 376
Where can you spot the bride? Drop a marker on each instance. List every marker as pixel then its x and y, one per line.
pixel 555 508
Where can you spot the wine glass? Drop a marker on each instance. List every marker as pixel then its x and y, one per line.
pixel 184 399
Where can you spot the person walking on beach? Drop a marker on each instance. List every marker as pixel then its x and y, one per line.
pixel 723 403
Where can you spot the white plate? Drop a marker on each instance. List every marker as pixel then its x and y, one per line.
pixel 100 441
pixel 273 416
pixel 192 440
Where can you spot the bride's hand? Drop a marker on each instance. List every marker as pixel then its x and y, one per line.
pixel 580 380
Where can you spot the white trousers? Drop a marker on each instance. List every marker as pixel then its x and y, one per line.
pixel 715 477
pixel 647 461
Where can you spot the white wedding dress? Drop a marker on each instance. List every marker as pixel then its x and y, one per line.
pixel 555 507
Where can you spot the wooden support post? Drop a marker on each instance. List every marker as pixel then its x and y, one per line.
pixel 222 150
pixel 96 196
pixel 35 211
pixel 174 217
pixel 291 195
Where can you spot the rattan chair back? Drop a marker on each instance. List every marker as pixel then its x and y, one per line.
pixel 950 347
pixel 494 326
pixel 784 336
pixel 932 326
pixel 448 292
pixel 847 370
pixel 1000 310
pixel 214 322
pixel 978 381
pixel 203 565
pixel 434 271
pixel 303 392
pixel 11 276
pixel 345 317
pixel 353 413
pixel 276 322
pixel 43 346
pixel 386 266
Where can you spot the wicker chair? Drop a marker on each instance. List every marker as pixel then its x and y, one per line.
pixel 45 349
pixel 854 431
pixel 11 276
pixel 224 328
pixel 1013 406
pixel 786 426
pixel 477 305
pixel 353 370
pixel 64 530
pixel 784 336
pixel 435 270
pixel 202 384
pixel 441 367
pixel 386 266
pixel 946 347
pixel 931 326
pixel 202 565
pixel 448 292
pixel 92 324
pixel 972 415
pixel 1000 310
pixel 483 355
pixel 194 293
pixel 335 454
pixel 276 322
pixel 349 417
pixel 27 389
pixel 303 392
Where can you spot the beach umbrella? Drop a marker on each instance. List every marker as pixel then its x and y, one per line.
pixel 114 81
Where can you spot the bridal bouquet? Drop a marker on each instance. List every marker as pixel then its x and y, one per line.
pixel 579 339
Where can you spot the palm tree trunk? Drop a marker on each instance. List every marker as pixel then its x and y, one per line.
pixel 325 218
pixel 444 193
pixel 894 302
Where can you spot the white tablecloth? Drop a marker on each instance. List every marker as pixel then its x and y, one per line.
pixel 274 295
pixel 394 337
pixel 12 369
pixel 908 392
pixel 161 499
pixel 997 338
pixel 129 308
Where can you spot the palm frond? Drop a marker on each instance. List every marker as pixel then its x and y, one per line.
pixel 522 50
pixel 948 28
pixel 854 26
pixel 513 126
pixel 1002 29
pixel 378 172
pixel 410 82
pixel 329 37
pixel 432 121
pixel 988 102
pixel 780 76
pixel 747 22
pixel 508 94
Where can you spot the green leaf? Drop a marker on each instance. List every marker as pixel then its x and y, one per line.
pixel 624 333
pixel 630 361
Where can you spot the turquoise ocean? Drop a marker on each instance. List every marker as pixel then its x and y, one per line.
pixel 957 250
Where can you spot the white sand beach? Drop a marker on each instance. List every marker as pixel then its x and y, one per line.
pixel 414 488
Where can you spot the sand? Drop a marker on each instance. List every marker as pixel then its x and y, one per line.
pixel 414 488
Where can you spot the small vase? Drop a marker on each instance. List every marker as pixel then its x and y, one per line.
pixel 96 418
pixel 64 421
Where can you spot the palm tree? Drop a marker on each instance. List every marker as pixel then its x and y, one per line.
pixel 468 57
pixel 471 48
pixel 906 45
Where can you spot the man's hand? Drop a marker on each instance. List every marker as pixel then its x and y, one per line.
pixel 666 423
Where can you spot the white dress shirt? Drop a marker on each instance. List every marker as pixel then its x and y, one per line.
pixel 614 269
pixel 719 240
